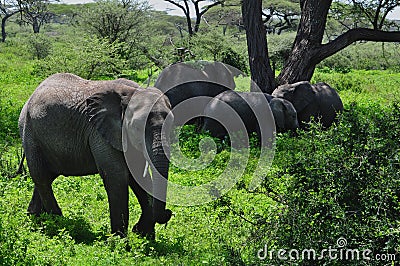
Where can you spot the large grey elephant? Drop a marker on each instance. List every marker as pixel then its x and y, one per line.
pixel 244 104
pixel 72 126
pixel 191 81
pixel 318 100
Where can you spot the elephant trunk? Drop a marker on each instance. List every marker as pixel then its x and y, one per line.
pixel 159 165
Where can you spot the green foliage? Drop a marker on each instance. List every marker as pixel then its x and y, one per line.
pixel 343 182
pixel 235 59
pixel 323 184
pixel 279 47
pixel 88 57
pixel 381 87
pixel 214 45
pixel 115 20
pixel 368 56
pixel 39 45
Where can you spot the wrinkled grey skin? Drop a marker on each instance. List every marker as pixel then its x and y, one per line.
pixel 185 81
pixel 71 126
pixel 318 100
pixel 283 111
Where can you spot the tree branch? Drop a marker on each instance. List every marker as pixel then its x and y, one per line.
pixel 352 36
pixel 178 5
pixel 206 8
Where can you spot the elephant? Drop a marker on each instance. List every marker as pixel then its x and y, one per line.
pixel 318 100
pixel 196 82
pixel 284 113
pixel 126 82
pixel 72 126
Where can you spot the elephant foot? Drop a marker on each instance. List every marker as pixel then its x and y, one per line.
pixel 35 208
pixel 144 230
pixel 163 218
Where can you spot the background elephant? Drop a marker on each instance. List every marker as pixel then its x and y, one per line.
pixel 319 100
pixel 71 126
pixel 185 81
pixel 283 112
pixel 126 82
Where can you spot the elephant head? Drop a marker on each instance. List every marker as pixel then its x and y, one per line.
pixel 135 118
pixel 300 94
pixel 319 101
pixel 285 114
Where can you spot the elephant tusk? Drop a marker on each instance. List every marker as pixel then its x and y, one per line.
pixel 146 169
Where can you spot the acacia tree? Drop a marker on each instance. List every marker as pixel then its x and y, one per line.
pixel 8 8
pixel 280 15
pixel 184 5
pixel 115 20
pixel 260 68
pixel 35 12
pixel 123 23
pixel 375 11
pixel 308 49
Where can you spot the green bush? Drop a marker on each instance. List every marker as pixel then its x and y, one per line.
pixel 343 182
pixel 13 248
pixel 367 56
pixel 87 57
pixel 39 45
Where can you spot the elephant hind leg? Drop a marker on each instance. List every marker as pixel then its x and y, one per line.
pixel 43 199
pixel 36 206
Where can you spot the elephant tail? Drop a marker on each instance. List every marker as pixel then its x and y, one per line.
pixel 21 168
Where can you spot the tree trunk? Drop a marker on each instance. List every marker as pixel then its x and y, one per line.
pixel 260 68
pixel 3 29
pixel 301 62
pixel 35 25
pixel 3 25
pixel 308 49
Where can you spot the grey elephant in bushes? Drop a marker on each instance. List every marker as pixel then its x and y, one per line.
pixel 72 126
pixel 190 81
pixel 243 104
pixel 318 100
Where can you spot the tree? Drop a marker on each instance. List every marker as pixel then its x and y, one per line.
pixel 199 12
pixel 228 15
pixel 260 68
pixel 35 12
pixel 115 20
pixel 375 11
pixel 8 8
pixel 280 15
pixel 308 49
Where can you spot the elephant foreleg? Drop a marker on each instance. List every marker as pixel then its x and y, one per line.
pixel 117 193
pixel 112 169
pixel 140 181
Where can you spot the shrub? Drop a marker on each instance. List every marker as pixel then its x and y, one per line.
pixel 368 56
pixel 342 183
pixel 39 45
pixel 235 59
pixel 88 57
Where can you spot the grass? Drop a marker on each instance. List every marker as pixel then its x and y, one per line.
pixel 322 185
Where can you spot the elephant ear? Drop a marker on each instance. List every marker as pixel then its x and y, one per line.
pixel 304 94
pixel 105 111
pixel 278 110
